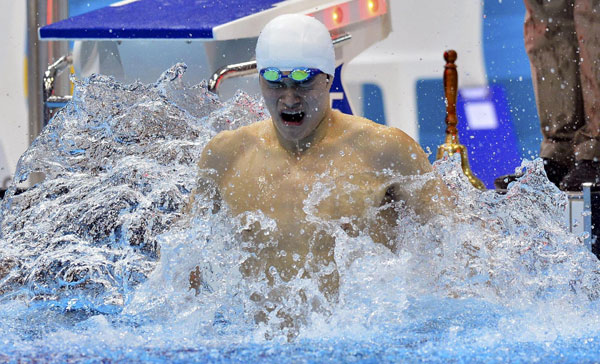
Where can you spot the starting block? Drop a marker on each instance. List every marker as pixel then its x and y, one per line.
pixel 583 216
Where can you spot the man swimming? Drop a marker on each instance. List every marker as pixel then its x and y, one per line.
pixel 275 165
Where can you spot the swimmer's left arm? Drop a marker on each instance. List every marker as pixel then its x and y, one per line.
pixel 403 155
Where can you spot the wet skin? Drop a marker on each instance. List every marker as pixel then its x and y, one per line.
pixel 273 165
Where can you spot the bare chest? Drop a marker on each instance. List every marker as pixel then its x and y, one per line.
pixel 289 189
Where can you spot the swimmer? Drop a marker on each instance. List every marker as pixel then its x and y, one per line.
pixel 273 165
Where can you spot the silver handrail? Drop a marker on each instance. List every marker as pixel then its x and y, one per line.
pixel 50 101
pixel 229 71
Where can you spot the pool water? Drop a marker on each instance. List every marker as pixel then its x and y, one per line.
pixel 95 259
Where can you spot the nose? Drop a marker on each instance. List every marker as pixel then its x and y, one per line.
pixel 290 97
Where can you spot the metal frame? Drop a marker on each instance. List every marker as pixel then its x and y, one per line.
pixel 580 212
pixel 40 54
pixel 50 101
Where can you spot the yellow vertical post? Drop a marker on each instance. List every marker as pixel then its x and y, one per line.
pixel 451 144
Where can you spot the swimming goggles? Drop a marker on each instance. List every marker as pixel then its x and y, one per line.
pixel 300 74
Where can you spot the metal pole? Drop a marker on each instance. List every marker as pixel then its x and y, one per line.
pixel 36 64
pixel 40 55
pixel 59 49
pixel 587 214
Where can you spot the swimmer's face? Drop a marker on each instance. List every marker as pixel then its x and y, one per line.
pixel 297 108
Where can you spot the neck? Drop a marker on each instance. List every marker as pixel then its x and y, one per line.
pixel 298 147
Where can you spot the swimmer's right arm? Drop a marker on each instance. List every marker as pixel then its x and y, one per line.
pixel 210 170
pixel 216 153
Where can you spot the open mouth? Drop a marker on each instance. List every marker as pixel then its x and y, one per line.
pixel 292 117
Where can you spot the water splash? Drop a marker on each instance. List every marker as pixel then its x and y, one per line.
pixel 95 259
pixel 119 163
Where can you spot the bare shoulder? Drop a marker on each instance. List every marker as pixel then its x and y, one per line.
pixel 385 147
pixel 226 146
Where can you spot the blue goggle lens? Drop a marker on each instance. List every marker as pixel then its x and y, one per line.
pixel 299 75
pixel 271 74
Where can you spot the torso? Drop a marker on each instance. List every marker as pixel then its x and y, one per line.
pixel 339 180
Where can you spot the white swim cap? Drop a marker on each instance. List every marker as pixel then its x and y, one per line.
pixel 295 40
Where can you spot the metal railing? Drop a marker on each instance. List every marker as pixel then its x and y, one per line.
pixel 50 101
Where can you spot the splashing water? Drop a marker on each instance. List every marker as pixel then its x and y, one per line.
pixel 95 259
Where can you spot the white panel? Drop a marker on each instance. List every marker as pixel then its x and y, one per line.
pixel 575 218
pixel 251 25
pixel 481 115
pixel 124 2
pixel 471 93
pixel 421 32
pixel 13 103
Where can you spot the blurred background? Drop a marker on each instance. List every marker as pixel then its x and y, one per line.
pixel 390 63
